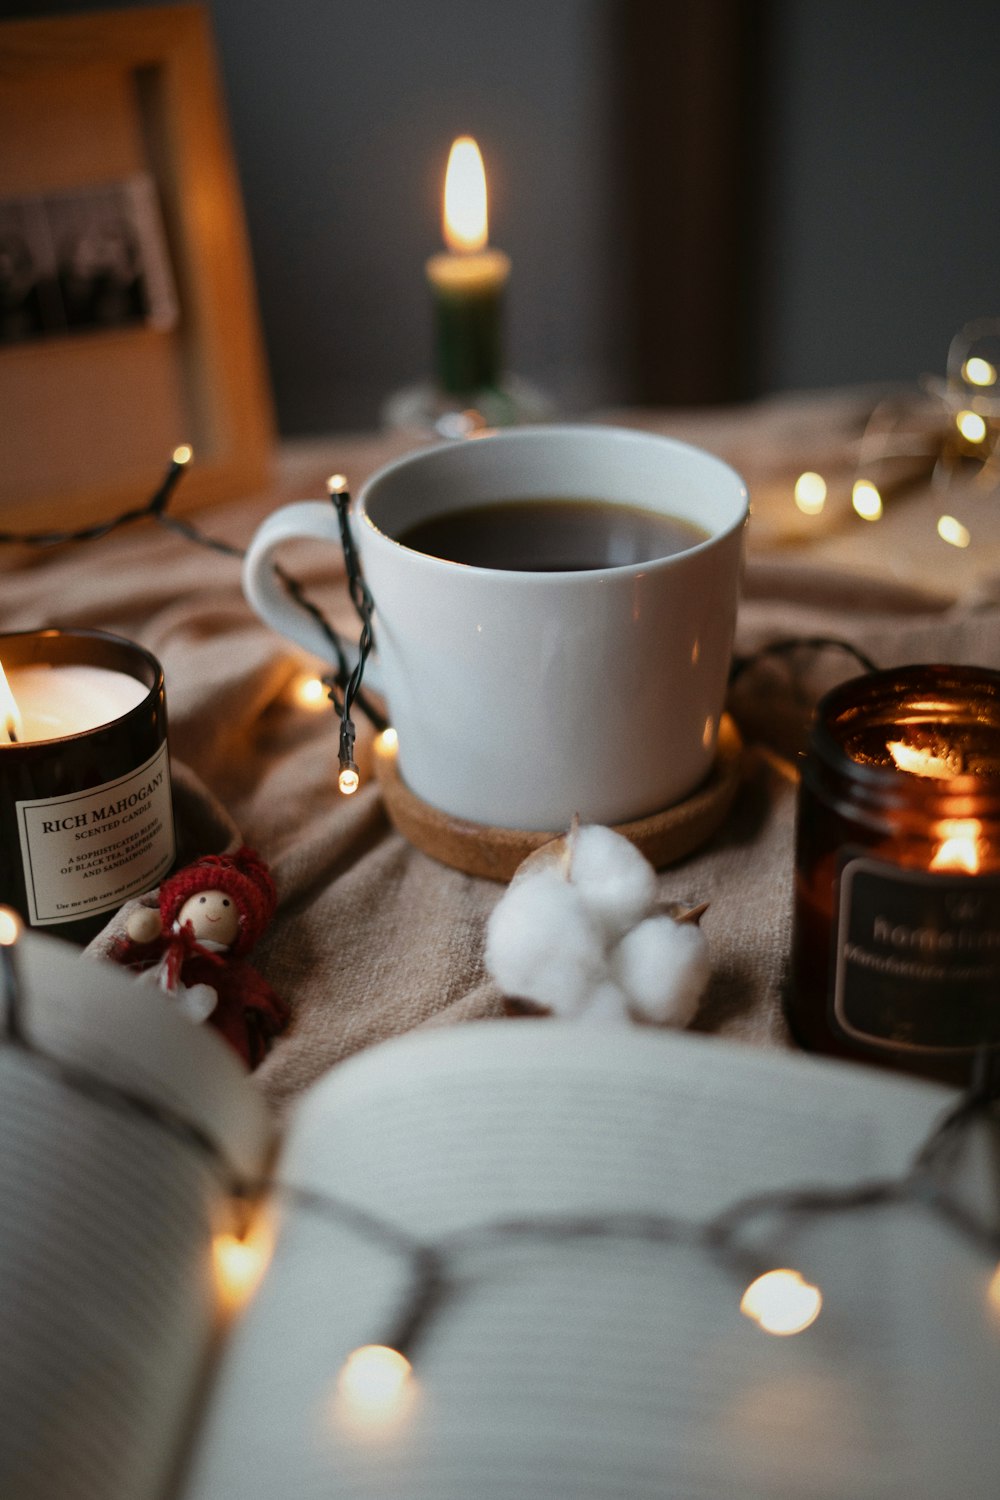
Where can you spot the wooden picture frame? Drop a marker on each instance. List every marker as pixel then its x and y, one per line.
pixel 90 418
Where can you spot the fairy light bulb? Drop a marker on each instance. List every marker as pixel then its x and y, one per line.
pixel 866 500
pixel 183 454
pixel 375 1381
pixel 979 371
pixel 238 1265
pixel 388 741
pixel 993 1290
pixel 951 530
pixel 971 425
pixel 810 493
pixel 10 927
pixel 349 778
pixel 781 1302
pixel 310 692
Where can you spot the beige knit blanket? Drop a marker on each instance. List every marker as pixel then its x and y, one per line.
pixel 373 938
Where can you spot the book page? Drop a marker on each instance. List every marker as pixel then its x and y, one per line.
pixel 107 1312
pixel 607 1367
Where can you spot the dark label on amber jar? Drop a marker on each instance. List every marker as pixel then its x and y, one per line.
pixel 918 957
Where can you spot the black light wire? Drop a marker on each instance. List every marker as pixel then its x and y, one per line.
pixel 428 1263
pixel 742 664
pixel 364 607
pixel 431 1265
pixel 155 509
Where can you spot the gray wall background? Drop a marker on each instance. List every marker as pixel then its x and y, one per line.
pixel 878 198
pixel 885 155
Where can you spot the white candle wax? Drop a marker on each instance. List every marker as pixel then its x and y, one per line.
pixel 47 702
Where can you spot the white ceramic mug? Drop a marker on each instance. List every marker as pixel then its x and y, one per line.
pixel 521 697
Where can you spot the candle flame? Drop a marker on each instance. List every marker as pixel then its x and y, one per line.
pixel 465 217
pixel 959 846
pixel 11 724
pixel 920 761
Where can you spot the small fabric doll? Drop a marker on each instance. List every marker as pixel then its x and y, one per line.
pixel 210 915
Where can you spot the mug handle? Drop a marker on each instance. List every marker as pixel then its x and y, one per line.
pixel 309 520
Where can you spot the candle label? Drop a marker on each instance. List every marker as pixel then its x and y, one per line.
pixel 917 957
pixel 89 852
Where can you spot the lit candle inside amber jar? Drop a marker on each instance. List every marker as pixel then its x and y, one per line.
pixel 896 948
pixel 86 813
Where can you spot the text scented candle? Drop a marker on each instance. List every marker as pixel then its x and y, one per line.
pixel 896 949
pixel 86 814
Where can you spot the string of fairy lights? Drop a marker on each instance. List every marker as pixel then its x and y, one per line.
pixel 775 1296
pixel 345 678
pixel 949 429
pixel 954 428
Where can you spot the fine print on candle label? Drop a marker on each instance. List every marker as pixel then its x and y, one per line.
pixel 49 702
pixel 90 851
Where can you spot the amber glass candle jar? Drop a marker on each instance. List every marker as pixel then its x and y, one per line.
pixel 86 813
pixel 896 944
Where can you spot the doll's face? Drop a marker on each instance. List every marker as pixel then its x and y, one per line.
pixel 213 915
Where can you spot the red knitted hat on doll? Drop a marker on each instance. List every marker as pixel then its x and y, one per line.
pixel 245 879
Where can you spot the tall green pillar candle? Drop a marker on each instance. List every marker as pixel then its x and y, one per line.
pixel 468 292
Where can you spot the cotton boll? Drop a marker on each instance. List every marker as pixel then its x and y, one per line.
pixel 542 945
pixel 606 1005
pixel 552 855
pixel 571 936
pixel 616 882
pixel 664 967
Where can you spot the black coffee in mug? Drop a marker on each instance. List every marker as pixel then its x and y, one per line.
pixel 552 535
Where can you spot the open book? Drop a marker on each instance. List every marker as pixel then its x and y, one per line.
pixel 557 1368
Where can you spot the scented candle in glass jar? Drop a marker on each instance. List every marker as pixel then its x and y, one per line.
pixel 86 811
pixel 896 943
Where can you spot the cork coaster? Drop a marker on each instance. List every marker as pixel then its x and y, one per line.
pixel 495 853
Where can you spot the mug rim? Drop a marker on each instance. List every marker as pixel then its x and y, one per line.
pixel 540 432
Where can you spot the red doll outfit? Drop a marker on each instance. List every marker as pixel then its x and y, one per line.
pixel 209 980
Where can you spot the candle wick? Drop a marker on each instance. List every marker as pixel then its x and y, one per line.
pixel 11 733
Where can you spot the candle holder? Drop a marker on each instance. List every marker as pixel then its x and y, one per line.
pixel 86 817
pixel 471 393
pixel 430 409
pixel 896 944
